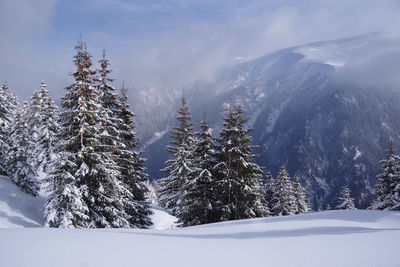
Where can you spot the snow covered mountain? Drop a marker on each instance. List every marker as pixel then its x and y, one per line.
pixel 334 238
pixel 326 109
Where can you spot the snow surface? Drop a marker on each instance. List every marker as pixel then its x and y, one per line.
pixel 332 238
pixel 18 209
pixel 162 220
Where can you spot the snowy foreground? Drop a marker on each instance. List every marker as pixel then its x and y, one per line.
pixel 334 238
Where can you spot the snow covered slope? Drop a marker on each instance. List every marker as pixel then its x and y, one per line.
pixel 334 238
pixel 18 209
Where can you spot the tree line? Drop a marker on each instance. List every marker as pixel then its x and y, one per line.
pixel 213 179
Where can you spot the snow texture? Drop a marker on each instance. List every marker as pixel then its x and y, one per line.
pixel 335 238
pixel 18 209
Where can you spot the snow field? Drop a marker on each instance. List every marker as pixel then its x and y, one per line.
pixel 330 238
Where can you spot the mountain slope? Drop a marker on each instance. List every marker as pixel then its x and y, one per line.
pixel 326 109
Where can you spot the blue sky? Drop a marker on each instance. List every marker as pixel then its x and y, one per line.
pixel 155 43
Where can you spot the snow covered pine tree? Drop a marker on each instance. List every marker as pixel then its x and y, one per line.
pixel 8 111
pixel 123 141
pixel 198 203
pixel 302 203
pixel 388 187
pixel 284 199
pixel 172 188
pixel 21 158
pixel 268 193
pixel 345 201
pixel 43 127
pixel 50 128
pixel 238 177
pixel 85 185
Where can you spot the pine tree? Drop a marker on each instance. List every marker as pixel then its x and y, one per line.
pixel 302 203
pixel 198 203
pixel 388 187
pixel 345 201
pixel 238 177
pixel 88 161
pixel 133 172
pixel 269 190
pixel 49 129
pixel 8 111
pixel 123 141
pixel 180 166
pixel 285 201
pixel 21 158
pixel 65 207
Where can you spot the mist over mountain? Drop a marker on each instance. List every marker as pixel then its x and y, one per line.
pixel 326 109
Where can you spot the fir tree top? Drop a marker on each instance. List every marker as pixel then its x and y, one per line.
pixel 182 132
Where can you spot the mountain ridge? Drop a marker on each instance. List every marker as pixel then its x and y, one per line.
pixel 309 112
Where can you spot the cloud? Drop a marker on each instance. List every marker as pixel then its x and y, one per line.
pixel 196 48
pixel 155 43
pixel 23 61
pixel 19 18
pixel 375 65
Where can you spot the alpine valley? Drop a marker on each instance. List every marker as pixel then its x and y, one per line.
pixel 325 109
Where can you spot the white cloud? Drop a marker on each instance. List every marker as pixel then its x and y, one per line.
pixel 153 42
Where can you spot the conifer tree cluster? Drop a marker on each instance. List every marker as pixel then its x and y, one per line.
pixel 212 179
pixel 85 156
pixel 388 186
pixel 32 135
pixel 21 157
pixel 282 196
pixel 99 180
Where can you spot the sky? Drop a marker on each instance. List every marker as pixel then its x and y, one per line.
pixel 158 43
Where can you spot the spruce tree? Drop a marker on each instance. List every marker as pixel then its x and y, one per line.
pixel 65 207
pixel 238 176
pixel 172 188
pixel 198 203
pixel 34 115
pixel 285 201
pixel 88 161
pixel 269 190
pixel 388 186
pixel 8 111
pixel 49 129
pixel 133 172
pixel 21 158
pixel 123 140
pixel 302 203
pixel 345 201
